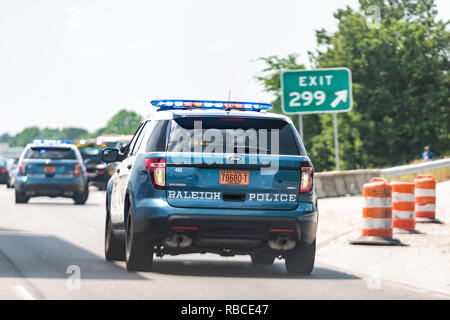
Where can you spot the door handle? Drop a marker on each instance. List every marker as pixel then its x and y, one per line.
pixel 129 166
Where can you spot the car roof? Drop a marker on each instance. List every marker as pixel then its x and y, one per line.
pixel 173 114
pixel 48 145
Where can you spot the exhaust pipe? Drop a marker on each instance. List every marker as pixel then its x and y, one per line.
pixel 282 243
pixel 178 240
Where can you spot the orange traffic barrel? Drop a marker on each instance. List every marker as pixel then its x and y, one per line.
pixel 377 214
pixel 403 201
pixel 425 198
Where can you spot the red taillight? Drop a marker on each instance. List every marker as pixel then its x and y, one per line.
pixel 306 176
pixel 184 228
pixel 281 230
pixel 3 170
pixel 77 170
pixel 23 168
pixel 101 171
pixel 157 169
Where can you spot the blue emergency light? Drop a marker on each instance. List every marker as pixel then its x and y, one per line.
pixel 170 104
pixel 51 141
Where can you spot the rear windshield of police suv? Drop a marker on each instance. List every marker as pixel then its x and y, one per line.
pixel 50 153
pixel 182 139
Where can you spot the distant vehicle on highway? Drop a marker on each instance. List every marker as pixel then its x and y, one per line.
pixel 98 172
pixel 115 141
pixel 184 186
pixel 4 173
pixel 51 168
pixel 13 167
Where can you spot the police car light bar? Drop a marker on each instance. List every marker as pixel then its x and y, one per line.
pixel 51 141
pixel 210 104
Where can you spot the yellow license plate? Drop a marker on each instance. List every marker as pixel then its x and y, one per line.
pixel 234 177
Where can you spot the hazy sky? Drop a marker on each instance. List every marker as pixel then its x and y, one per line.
pixel 77 62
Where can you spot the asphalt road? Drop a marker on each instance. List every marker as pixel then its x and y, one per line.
pixel 46 243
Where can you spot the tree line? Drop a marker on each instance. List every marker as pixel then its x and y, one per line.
pixel 123 122
pixel 399 64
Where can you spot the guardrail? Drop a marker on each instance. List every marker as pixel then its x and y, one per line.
pixel 350 183
pixel 415 168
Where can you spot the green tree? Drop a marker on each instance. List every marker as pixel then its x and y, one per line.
pixel 25 136
pixel 123 122
pixel 400 84
pixel 4 138
pixel 400 76
pixel 74 134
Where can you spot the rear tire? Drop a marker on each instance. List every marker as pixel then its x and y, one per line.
pixel 300 260
pixel 81 198
pixel 262 259
pixel 21 197
pixel 138 253
pixel 114 246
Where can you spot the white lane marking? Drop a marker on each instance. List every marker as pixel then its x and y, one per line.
pixel 403 197
pixel 22 293
pixel 377 202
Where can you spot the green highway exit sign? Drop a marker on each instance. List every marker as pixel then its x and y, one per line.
pixel 316 91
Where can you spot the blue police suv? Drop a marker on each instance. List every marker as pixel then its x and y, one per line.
pixel 51 168
pixel 212 177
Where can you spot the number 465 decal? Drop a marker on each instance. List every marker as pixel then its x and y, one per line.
pixel 306 97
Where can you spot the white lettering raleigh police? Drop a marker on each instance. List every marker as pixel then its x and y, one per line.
pixel 208 195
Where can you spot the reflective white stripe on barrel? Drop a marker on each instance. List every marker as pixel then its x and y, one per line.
pixel 426 207
pixel 403 215
pixel 374 223
pixel 375 202
pixel 402 197
pixel 425 192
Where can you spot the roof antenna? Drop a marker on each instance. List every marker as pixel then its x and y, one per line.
pixel 229 98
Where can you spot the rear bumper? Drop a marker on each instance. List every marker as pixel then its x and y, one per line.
pixel 51 188
pixel 214 229
pixel 207 228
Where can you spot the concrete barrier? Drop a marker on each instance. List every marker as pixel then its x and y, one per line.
pixel 350 183
pixel 343 183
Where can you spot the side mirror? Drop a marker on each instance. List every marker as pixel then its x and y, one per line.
pixel 110 155
pixel 124 148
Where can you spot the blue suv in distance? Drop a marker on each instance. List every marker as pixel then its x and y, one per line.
pixel 212 177
pixel 51 168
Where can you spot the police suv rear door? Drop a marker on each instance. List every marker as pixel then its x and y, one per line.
pixel 234 162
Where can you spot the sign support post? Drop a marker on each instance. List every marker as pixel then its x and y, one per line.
pixel 300 125
pixel 336 141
